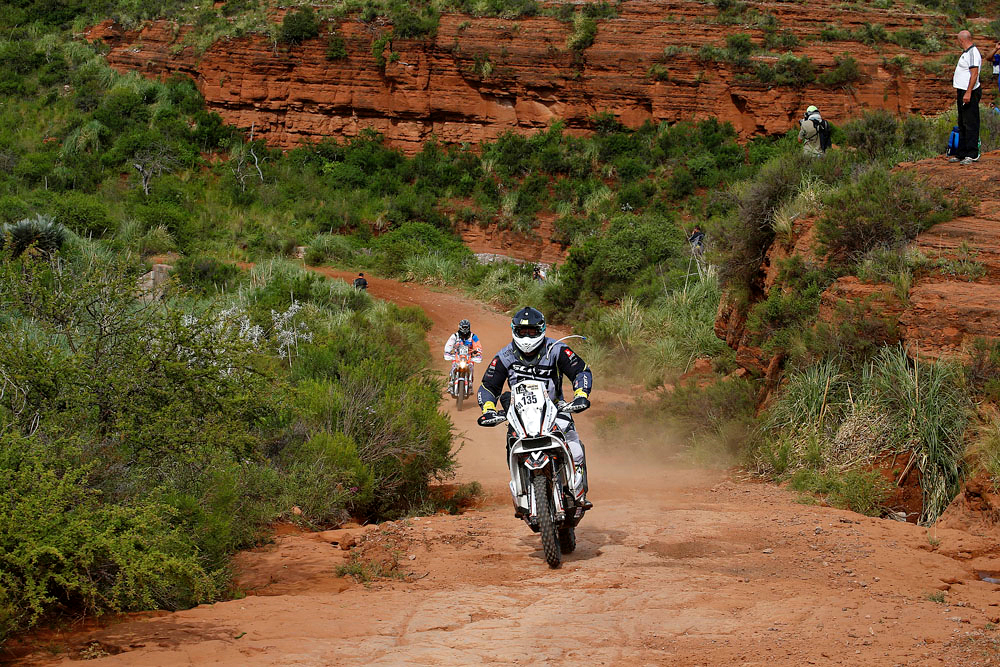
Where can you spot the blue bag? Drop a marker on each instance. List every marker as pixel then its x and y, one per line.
pixel 953 141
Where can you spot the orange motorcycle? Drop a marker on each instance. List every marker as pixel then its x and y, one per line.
pixel 460 382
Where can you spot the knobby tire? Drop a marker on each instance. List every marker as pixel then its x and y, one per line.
pixel 567 539
pixel 546 525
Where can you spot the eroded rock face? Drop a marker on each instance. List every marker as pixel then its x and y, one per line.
pixel 975 510
pixel 442 87
pixel 946 308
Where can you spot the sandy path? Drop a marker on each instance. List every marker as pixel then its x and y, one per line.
pixel 674 566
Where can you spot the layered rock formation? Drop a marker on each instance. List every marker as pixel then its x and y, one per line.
pixel 480 77
pixel 537 247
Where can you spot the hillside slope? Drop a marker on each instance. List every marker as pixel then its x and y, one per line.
pixel 477 78
pixel 952 299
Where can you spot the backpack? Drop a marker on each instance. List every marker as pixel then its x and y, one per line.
pixel 825 136
pixel 953 140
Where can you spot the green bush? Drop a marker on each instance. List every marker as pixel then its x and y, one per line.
pixel 584 33
pixel 64 550
pixel 834 33
pixel 335 48
pixel 84 214
pixel 789 70
pixel 741 238
pixel 874 134
pixel 298 26
pixel 861 491
pixel 879 209
pixel 845 70
pixel 205 273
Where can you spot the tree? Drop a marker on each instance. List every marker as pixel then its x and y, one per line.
pixel 151 161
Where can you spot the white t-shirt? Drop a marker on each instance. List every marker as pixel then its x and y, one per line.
pixel 970 58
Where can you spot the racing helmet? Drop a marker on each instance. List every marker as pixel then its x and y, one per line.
pixel 528 327
pixel 465 329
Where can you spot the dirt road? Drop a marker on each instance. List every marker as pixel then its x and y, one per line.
pixel 674 566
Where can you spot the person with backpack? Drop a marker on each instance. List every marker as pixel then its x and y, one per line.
pixel 814 133
pixel 360 283
pixel 966 84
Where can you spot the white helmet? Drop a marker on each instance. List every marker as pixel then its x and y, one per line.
pixel 528 327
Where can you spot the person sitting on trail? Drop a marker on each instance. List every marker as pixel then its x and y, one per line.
pixel 464 336
pixel 814 133
pixel 533 356
pixel 360 283
pixel 697 240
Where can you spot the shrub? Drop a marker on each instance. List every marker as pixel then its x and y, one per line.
pixel 584 33
pixel 871 34
pixel 915 39
pixel 983 369
pixel 845 70
pixel 40 232
pixel 880 209
pixel 326 247
pixel 298 26
pixel 62 549
pixel 742 237
pixel 874 134
pixel 861 491
pixel 205 273
pixel 335 48
pixel 898 64
pixel 834 33
pixel 378 48
pixel 84 214
pixel 658 72
pixel 681 183
pixel 789 70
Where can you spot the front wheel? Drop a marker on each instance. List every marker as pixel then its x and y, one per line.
pixel 460 395
pixel 546 524
pixel 567 539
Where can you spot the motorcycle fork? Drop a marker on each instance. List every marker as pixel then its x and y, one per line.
pixel 559 510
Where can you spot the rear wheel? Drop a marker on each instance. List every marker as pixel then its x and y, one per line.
pixel 546 525
pixel 567 539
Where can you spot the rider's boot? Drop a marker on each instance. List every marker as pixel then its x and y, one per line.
pixel 582 472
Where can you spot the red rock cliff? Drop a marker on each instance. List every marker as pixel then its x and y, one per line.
pixel 440 87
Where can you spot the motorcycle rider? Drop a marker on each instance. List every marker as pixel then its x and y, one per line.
pixel 463 336
pixel 533 356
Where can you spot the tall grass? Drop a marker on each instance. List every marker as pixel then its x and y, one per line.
pixel 829 420
pixel 654 344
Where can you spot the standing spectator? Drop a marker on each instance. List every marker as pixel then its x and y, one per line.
pixel 538 274
pixel 360 283
pixel 994 58
pixel 697 240
pixel 814 132
pixel 968 93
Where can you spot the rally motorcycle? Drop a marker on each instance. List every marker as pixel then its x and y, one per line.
pixel 461 375
pixel 543 479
